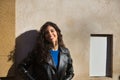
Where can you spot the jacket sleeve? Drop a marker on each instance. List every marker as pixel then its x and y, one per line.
pixel 26 62
pixel 25 65
pixel 69 71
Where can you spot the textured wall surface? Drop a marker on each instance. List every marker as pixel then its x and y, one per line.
pixel 7 34
pixel 77 19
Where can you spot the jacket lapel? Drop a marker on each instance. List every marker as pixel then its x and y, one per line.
pixel 51 63
pixel 61 59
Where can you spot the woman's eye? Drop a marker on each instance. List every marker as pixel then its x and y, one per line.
pixel 52 30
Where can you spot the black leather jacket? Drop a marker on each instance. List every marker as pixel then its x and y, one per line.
pixel 47 70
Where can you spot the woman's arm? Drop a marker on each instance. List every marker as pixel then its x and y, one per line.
pixel 25 65
pixel 69 71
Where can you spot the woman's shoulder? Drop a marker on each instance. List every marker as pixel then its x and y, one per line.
pixel 64 49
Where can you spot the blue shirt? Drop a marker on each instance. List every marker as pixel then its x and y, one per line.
pixel 55 54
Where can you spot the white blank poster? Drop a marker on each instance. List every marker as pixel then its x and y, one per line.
pixel 98 55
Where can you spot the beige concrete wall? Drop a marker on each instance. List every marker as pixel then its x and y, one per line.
pixel 7 34
pixel 77 20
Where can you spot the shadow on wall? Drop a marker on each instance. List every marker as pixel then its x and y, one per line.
pixel 24 45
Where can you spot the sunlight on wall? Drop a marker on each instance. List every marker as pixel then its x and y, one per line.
pixel 7 34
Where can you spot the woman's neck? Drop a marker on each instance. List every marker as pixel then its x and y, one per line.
pixel 55 46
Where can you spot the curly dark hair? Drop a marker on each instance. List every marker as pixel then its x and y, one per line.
pixel 43 46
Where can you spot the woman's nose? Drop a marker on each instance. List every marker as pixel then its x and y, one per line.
pixel 49 33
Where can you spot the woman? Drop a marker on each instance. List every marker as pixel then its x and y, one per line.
pixel 50 60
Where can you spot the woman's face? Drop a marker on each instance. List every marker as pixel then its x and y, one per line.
pixel 51 35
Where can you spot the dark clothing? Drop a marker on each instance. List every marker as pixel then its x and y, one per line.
pixel 47 70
